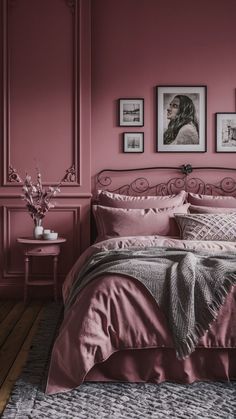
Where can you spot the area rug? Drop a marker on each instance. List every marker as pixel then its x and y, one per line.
pixel 108 401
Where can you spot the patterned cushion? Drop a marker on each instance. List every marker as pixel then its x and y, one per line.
pixel 207 226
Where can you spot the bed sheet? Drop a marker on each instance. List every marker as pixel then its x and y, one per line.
pixel 115 313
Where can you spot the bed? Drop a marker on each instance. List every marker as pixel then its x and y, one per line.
pixel 119 325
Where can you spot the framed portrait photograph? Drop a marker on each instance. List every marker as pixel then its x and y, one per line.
pixel 226 132
pixel 181 119
pixel 131 112
pixel 133 142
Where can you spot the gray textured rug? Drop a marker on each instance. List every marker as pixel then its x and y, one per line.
pixel 98 401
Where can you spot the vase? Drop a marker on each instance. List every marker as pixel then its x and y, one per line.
pixel 38 229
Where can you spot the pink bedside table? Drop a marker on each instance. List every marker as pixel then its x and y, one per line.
pixel 33 247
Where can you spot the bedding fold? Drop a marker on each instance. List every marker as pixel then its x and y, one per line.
pixel 114 313
pixel 188 285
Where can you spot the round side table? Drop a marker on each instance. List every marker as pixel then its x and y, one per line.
pixel 40 248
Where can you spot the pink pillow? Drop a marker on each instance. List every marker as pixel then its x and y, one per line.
pixel 194 209
pixel 121 222
pixel 114 200
pixel 212 201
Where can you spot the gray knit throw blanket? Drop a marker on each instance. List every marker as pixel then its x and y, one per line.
pixel 189 286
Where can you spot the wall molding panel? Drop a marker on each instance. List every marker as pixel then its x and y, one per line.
pixel 12 80
pixel 9 237
pixel 69 218
pixel 45 66
pixel 13 175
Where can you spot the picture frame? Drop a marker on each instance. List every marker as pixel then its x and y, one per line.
pixel 181 119
pixel 133 142
pixel 225 128
pixel 131 112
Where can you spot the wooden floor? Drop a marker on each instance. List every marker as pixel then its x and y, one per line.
pixel 18 324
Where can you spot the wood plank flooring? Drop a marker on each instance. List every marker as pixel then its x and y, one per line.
pixel 18 325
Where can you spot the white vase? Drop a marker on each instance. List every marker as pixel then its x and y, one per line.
pixel 38 230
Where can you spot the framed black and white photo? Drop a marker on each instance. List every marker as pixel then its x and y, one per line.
pixel 226 132
pixel 131 112
pixel 133 142
pixel 181 119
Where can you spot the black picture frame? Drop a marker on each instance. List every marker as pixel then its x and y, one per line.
pixel 131 112
pixel 187 106
pixel 225 129
pixel 133 142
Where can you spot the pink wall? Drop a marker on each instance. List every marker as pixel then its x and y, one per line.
pixel 45 104
pixel 138 44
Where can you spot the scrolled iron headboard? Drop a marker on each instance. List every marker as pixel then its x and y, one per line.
pixel 185 178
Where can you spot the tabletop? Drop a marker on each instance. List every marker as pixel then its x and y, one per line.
pixel 30 240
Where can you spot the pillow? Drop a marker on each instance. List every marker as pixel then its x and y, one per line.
pixel 212 201
pixel 114 200
pixel 195 209
pixel 121 222
pixel 207 226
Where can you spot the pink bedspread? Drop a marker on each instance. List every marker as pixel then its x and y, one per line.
pixel 115 313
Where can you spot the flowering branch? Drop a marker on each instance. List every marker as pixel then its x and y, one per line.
pixel 38 200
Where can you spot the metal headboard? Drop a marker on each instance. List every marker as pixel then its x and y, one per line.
pixel 185 178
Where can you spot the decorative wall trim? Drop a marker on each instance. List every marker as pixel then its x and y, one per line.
pixel 70 175
pixel 13 175
pixel 61 196
pixel 6 257
pixel 12 3
pixel 71 5
pixel 74 6
pixel 7 240
pixel 5 92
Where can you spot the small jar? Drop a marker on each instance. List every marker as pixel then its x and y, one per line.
pixel 38 229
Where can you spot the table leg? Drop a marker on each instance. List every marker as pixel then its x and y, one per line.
pixel 26 277
pixel 55 259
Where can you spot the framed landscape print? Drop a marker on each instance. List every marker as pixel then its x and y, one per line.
pixel 133 142
pixel 181 119
pixel 226 132
pixel 131 112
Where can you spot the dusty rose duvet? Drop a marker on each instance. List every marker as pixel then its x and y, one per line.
pixel 115 315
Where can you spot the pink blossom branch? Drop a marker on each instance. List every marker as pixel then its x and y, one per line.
pixel 38 200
